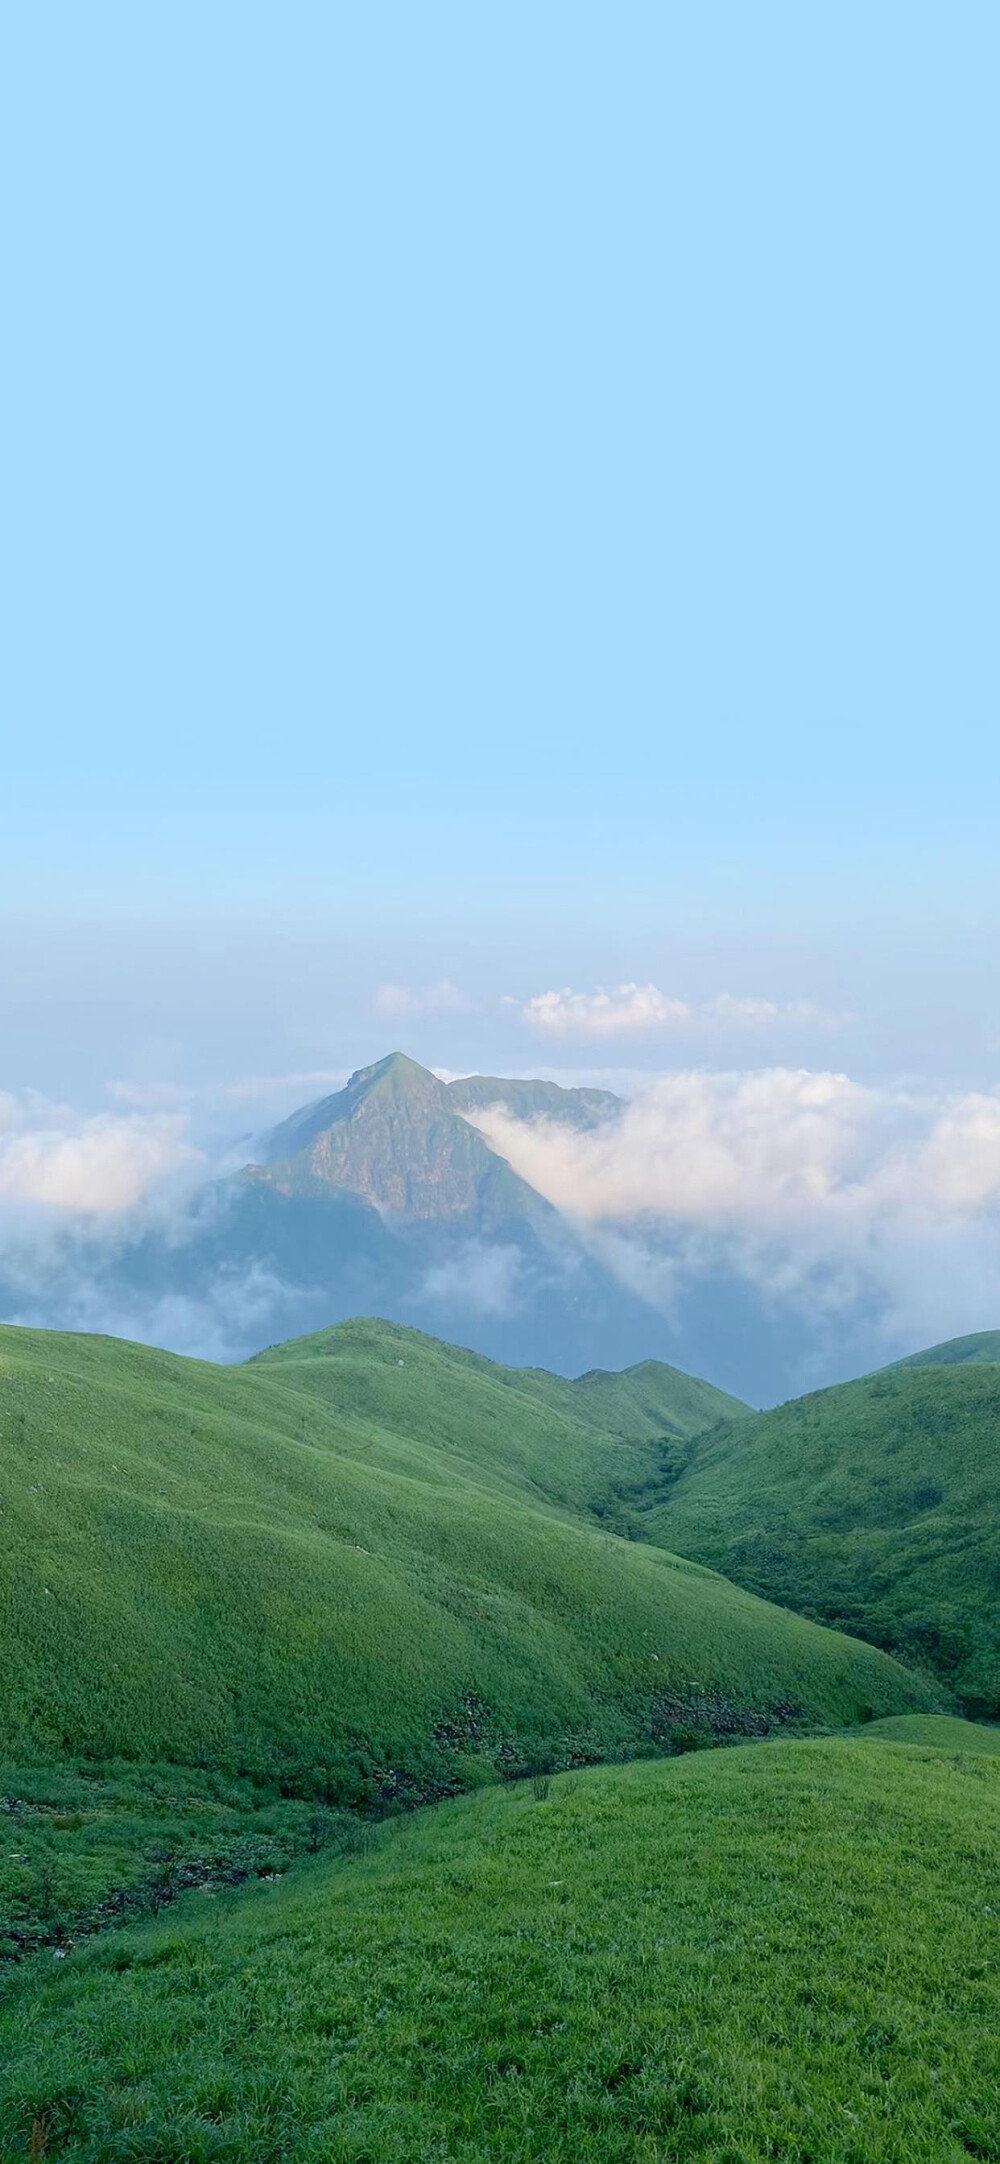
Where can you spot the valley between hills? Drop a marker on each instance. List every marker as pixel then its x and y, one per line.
pixel 365 1783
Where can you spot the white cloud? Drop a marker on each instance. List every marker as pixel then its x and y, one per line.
pixel 230 1313
pixel 750 1013
pixel 629 1008
pixel 634 1009
pixel 80 1193
pixel 102 1165
pixel 819 1191
pixel 693 1145
pixel 397 1001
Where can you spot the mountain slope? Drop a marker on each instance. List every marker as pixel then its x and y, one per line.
pixel 956 1352
pixel 219 1567
pixel 653 1392
pixel 785 1951
pixel 383 1197
pixel 563 1442
pixel 532 1100
pixel 393 1138
pixel 874 1506
pixel 386 1198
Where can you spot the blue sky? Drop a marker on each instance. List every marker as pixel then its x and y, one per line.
pixel 498 497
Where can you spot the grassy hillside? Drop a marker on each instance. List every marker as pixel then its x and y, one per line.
pixel 224 1569
pixel 956 1352
pixel 875 1506
pixel 573 1443
pixel 788 1951
pixel 946 1732
pixel 87 1847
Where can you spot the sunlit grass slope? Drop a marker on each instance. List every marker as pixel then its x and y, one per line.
pixel 789 1951
pixel 875 1506
pixel 222 1568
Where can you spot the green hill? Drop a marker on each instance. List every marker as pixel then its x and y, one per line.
pixel 790 1951
pixel 874 1506
pixel 574 1443
pixel 956 1352
pixel 241 1570
pixel 946 1732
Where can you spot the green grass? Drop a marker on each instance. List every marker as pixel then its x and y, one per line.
pixel 957 1351
pixel 944 1731
pixel 251 1615
pixel 84 1849
pixel 874 1506
pixel 788 1951
pixel 536 1434
pixel 220 1568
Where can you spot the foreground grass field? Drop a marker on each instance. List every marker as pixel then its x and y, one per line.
pixel 874 1506
pixel 82 1852
pixel 356 1591
pixel 786 1951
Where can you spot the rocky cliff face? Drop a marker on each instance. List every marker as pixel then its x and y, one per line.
pixel 394 1138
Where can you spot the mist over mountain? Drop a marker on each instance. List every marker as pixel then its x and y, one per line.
pixel 384 1198
pixel 774 1232
pixel 394 1139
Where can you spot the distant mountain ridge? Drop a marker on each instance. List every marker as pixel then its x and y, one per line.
pixel 532 1100
pixel 388 1198
pixel 393 1374
pixel 393 1138
pixel 385 1198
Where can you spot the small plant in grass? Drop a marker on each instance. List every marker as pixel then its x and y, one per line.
pixel 540 1785
pixel 688 1739
pixel 165 1882
pixel 45 1889
pixel 322 1830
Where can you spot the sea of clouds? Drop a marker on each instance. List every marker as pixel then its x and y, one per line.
pixel 828 1196
pixel 865 1219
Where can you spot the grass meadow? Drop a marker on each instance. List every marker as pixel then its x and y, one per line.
pixel 874 1506
pixel 788 1951
pixel 229 1571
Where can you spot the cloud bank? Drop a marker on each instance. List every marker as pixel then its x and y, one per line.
pixel 828 1196
pixel 484 1277
pixel 860 1222
pixel 642 1009
pixel 100 1166
pixel 81 1195
pixel 631 1008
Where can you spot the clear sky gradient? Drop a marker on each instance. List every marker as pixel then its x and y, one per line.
pixel 497 494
